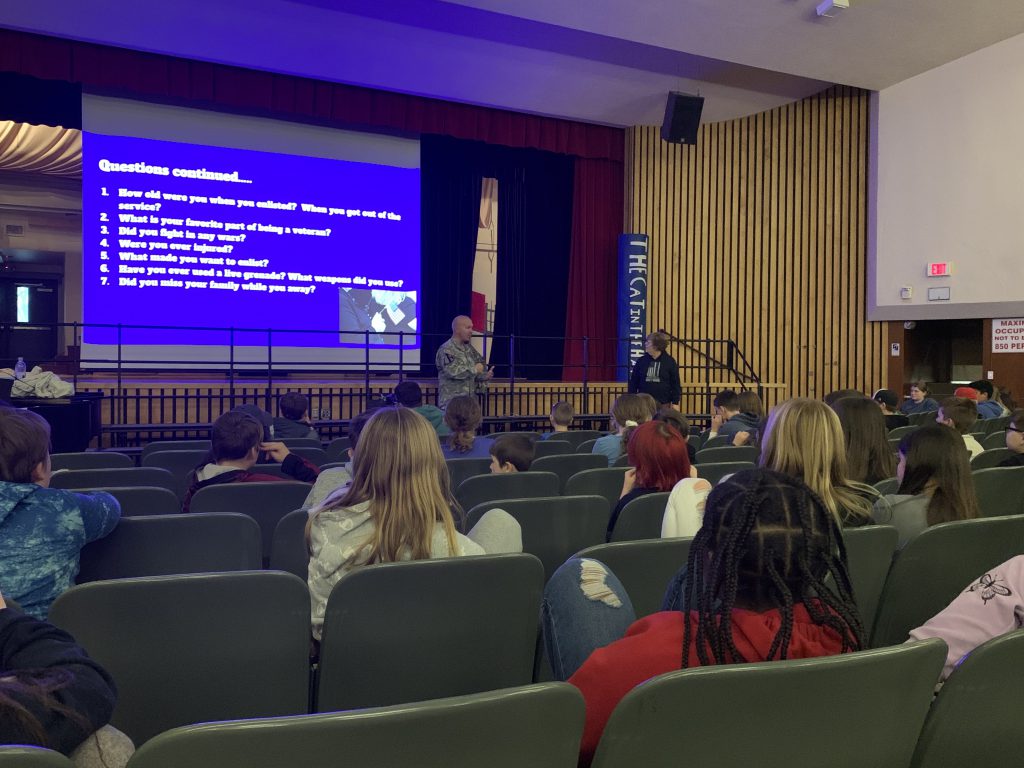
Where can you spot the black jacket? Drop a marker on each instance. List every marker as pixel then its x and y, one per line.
pixel 658 378
pixel 26 643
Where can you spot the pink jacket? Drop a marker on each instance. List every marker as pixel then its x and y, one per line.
pixel 991 606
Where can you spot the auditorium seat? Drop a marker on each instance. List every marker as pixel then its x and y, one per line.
pixel 141 501
pixel 554 528
pixel 90 460
pixel 975 719
pixel 994 440
pixel 302 442
pixel 644 568
pixel 85 479
pixel 993 426
pixel 641 518
pixel 899 432
pixel 288 550
pixel 888 486
pixel 575 437
pixel 460 470
pixel 622 461
pixel 315 455
pixel 537 726
pixel 713 473
pixel 175 445
pixel 869 553
pixel 517 485
pixel 160 545
pixel 1000 490
pixel 267 503
pixel 718 441
pixel 605 481
pixel 18 756
pixel 181 464
pixel 568 465
pixel 528 435
pixel 990 458
pixel 543 448
pixel 917 419
pixel 190 649
pixel 768 714
pixel 337 449
pixel 728 453
pixel 416 630
pixel 587 446
pixel 936 565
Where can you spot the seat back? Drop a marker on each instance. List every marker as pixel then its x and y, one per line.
pixel 1000 490
pixel 935 566
pixel 288 551
pixel 158 545
pixel 175 445
pixel 606 481
pixel 587 446
pixel 90 460
pixel 568 465
pixel 641 518
pixel 527 435
pixel 990 457
pixel 728 453
pixel 715 472
pixel 994 440
pixel 85 479
pixel 622 461
pixel 179 463
pixel 459 470
pixel 337 449
pixel 187 649
pixel 555 527
pixel 516 485
pixel 917 419
pixel 644 568
pixel 996 425
pixel 314 454
pixel 141 501
pixel 302 442
pixel 411 631
pixel 967 722
pixel 899 432
pixel 552 447
pixel 718 441
pixel 869 552
pixel 576 437
pixel 266 503
pixel 887 486
pixel 537 726
pixel 690 717
pixel 32 757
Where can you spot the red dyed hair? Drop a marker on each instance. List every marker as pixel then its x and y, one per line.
pixel 658 452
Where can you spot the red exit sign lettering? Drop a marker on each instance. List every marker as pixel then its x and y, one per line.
pixel 940 269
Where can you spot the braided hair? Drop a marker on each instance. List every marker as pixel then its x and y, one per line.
pixel 768 541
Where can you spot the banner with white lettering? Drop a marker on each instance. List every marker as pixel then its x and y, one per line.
pixel 632 301
pixel 1008 335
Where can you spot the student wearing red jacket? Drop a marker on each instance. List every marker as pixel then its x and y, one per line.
pixel 236 442
pixel 753 540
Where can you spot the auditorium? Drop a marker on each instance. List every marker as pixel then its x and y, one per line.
pixel 611 384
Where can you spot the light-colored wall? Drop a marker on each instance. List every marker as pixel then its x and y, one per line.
pixel 947 182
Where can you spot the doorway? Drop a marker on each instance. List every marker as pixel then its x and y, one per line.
pixel 29 310
pixel 943 351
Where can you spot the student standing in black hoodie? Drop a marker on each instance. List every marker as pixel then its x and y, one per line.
pixel 656 373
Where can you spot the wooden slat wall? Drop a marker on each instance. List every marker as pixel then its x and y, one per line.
pixel 758 234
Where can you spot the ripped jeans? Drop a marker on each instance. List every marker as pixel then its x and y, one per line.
pixel 585 607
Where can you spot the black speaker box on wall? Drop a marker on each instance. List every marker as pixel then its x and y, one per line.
pixel 682 118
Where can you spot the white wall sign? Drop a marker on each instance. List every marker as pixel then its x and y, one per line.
pixel 1008 335
pixel 894 349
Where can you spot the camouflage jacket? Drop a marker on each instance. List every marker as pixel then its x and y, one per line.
pixel 456 371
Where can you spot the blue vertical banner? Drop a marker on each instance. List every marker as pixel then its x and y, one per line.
pixel 632 301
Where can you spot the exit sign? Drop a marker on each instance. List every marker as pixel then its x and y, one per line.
pixel 940 269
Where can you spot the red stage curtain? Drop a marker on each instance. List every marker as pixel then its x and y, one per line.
pixel 147 75
pixel 591 311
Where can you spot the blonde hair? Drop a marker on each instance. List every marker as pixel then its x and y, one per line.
pixel 398 467
pixel 625 409
pixel 804 439
pixel 463 416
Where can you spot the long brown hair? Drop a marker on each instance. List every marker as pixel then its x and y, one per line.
pixel 869 458
pixel 463 416
pixel 399 469
pixel 936 463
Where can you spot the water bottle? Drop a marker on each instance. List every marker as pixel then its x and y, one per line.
pixel 19 368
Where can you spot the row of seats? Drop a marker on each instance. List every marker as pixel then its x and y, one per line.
pixel 1000 490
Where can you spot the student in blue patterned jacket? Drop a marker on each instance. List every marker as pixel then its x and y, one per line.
pixel 42 529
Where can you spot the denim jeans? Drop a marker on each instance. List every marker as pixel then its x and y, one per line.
pixel 585 607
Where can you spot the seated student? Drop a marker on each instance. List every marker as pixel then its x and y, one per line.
pixel 804 439
pixel 628 412
pixel 562 414
pixel 833 397
pixel 988 406
pixel 919 401
pixel 53 695
pixel 752 408
pixel 658 461
pixel 236 442
pixel 750 599
pixel 935 483
pixel 331 479
pixel 671 416
pixel 888 401
pixel 511 453
pixel 398 507
pixel 42 529
pixel 651 403
pixel 1015 440
pixel 869 458
pixel 729 420
pixel 294 420
pixel 961 414
pixel 463 417
pixel 409 395
pixel 990 606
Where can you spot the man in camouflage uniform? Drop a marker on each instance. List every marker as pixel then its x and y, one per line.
pixel 460 368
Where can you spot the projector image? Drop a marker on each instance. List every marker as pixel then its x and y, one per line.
pixel 832 7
